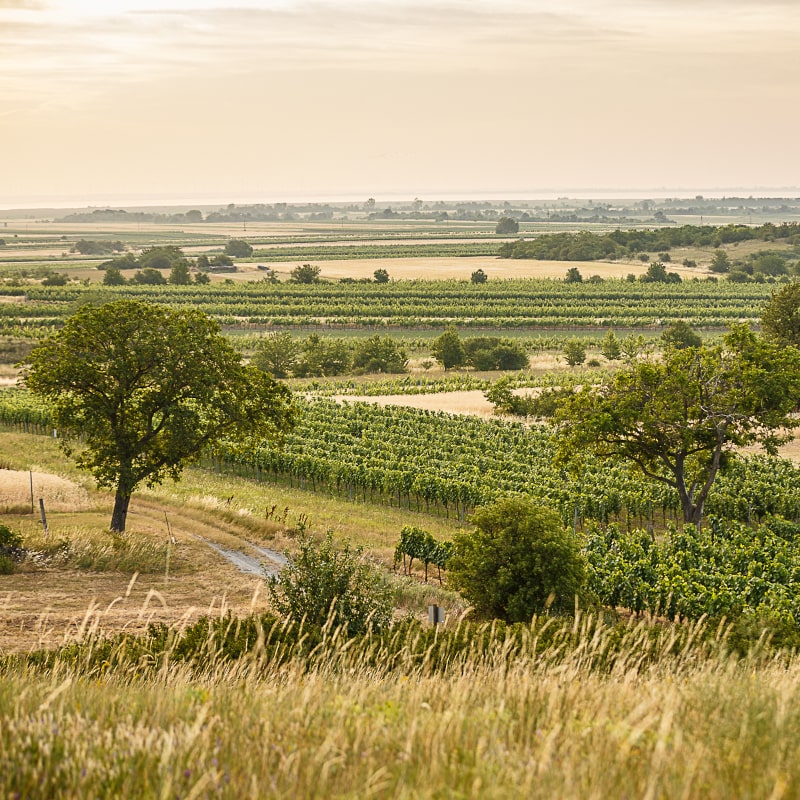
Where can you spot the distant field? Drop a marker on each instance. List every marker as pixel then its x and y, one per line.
pixel 516 304
pixel 462 268
pixel 419 268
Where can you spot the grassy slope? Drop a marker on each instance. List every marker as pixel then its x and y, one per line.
pixel 531 728
pixel 42 606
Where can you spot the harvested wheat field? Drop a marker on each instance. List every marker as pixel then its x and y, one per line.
pixel 461 268
pixel 470 403
pixel 59 494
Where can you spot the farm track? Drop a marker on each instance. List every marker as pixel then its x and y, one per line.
pixel 247 563
pixel 51 606
pixel 222 537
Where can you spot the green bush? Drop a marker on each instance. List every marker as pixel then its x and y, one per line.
pixel 575 352
pixel 517 562
pixel 322 584
pixel 494 352
pixel 11 550
pixel 379 354
pixel 238 248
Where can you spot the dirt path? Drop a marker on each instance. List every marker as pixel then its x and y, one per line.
pixel 212 569
pixel 246 563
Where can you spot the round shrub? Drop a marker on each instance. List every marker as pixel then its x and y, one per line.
pixel 518 561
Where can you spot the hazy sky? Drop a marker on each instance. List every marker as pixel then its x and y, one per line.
pixel 139 100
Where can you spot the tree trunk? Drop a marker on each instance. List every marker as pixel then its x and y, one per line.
pixel 693 513
pixel 119 516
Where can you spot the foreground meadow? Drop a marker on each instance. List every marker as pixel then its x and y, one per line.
pixel 585 718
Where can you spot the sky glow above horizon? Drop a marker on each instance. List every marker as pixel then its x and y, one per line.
pixel 142 100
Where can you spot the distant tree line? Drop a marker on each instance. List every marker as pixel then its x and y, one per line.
pixel 283 356
pixel 588 246
pixel 90 247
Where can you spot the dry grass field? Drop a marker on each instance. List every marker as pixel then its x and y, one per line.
pixel 483 727
pixel 421 268
pixel 461 268
pixel 59 494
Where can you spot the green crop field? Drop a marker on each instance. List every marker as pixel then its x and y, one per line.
pixel 533 304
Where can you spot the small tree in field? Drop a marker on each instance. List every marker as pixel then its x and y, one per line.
pixel 381 276
pixel 148 277
pixel 238 248
pixel 277 354
pixel 479 276
pixel 720 262
pixel 610 347
pixel 449 349
pixel 379 354
pixel 681 335
pixel 179 274
pixel 113 277
pixel 517 561
pixel 140 390
pixel 305 273
pixel 575 352
pixel 506 226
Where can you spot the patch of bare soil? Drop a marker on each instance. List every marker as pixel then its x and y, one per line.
pixel 43 607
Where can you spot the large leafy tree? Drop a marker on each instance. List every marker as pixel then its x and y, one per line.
pixel 146 389
pixel 678 419
pixel 780 320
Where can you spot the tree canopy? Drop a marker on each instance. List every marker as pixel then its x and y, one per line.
pixel 379 354
pixel 516 561
pixel 277 354
pixel 679 419
pixel 238 248
pixel 146 389
pixel 305 273
pixel 681 335
pixel 479 276
pixel 506 226
pixel 449 349
pixel 780 320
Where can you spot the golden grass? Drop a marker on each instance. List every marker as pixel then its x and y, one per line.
pixel 462 268
pixel 59 494
pixel 541 726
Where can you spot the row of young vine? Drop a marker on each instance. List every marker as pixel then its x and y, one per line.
pixel 448 464
pixel 502 304
pixel 729 570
